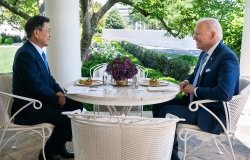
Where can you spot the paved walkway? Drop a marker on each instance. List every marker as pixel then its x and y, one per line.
pixel 29 146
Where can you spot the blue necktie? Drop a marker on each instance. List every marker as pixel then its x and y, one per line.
pixel 45 61
pixel 203 60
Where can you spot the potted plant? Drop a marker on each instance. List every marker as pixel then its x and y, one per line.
pixel 121 69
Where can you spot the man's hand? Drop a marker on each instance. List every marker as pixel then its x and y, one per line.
pixel 189 89
pixel 183 84
pixel 61 100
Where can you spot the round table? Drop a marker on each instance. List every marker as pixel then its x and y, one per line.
pixel 124 96
pixel 111 95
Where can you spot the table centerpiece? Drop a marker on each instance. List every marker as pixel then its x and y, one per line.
pixel 121 69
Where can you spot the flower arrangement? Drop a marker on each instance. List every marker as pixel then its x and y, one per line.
pixel 121 68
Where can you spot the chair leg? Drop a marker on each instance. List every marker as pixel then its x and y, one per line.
pixel 1 140
pixel 185 145
pixel 184 139
pixel 141 110
pixel 231 146
pixel 14 145
pixel 127 109
pixel 43 145
pixel 96 108
pixel 219 150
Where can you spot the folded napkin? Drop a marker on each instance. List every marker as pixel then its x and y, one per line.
pixel 77 90
pixel 163 88
pixel 96 89
pixel 75 112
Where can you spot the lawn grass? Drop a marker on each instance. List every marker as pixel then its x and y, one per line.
pixel 6 58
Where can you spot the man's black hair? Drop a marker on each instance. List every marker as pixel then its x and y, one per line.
pixel 33 23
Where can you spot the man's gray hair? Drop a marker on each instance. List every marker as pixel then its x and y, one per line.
pixel 212 25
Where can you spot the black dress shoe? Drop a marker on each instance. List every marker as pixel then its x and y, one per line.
pixel 51 156
pixel 66 154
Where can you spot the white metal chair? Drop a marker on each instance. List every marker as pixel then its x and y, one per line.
pixel 232 108
pixel 98 70
pixel 142 72
pixel 7 125
pixel 123 138
pixel 6 121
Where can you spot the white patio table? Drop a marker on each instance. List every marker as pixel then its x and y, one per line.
pixel 111 95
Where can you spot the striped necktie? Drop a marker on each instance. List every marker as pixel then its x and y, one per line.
pixel 202 61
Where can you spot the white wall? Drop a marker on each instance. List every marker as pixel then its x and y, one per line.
pixel 149 38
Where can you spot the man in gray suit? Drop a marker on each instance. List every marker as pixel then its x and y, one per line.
pixel 32 78
pixel 215 77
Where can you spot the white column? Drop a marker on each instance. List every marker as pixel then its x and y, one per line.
pixel 63 51
pixel 245 48
pixel 245 51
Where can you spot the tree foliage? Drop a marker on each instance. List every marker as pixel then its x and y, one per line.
pixel 150 23
pixel 16 12
pixel 178 17
pixel 114 20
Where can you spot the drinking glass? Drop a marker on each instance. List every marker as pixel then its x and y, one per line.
pixel 135 83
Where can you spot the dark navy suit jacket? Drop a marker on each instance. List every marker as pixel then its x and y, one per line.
pixel 31 78
pixel 219 80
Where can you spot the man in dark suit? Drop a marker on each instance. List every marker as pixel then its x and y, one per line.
pixel 216 78
pixel 32 78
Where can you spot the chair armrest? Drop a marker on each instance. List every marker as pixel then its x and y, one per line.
pixel 200 103
pixel 36 103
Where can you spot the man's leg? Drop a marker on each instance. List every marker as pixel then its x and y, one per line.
pixel 156 108
pixel 181 111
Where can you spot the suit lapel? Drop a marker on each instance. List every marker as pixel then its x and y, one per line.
pixel 44 71
pixel 211 60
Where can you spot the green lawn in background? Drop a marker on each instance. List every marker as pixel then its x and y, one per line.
pixel 6 58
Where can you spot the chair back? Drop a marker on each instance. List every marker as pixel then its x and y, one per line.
pixel 142 72
pixel 234 107
pixel 123 138
pixel 98 70
pixel 5 101
pixel 6 82
pixel 4 104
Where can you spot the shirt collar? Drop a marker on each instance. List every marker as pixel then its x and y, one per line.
pixel 40 50
pixel 211 50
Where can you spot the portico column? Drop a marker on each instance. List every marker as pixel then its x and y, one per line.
pixel 245 51
pixel 63 51
pixel 245 48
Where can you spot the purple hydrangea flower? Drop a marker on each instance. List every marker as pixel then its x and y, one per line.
pixel 121 68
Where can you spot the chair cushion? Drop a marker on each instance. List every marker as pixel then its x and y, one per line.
pixel 6 82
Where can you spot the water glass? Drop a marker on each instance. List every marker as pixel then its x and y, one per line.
pixel 105 78
pixel 135 83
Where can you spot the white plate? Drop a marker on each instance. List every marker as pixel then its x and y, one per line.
pixel 160 83
pixel 94 83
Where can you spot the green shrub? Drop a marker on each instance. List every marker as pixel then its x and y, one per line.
pixel 8 41
pixel 175 66
pixel 192 60
pixel 1 39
